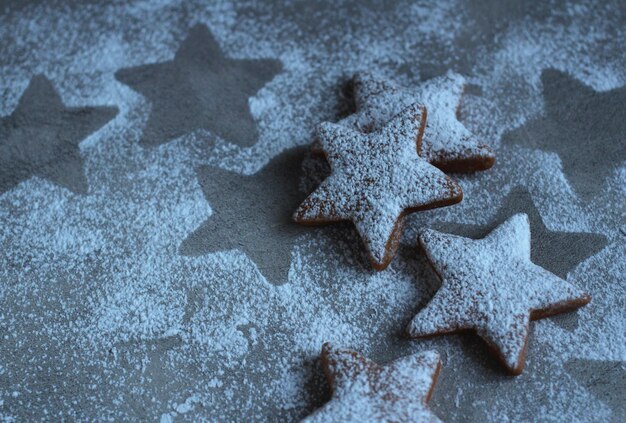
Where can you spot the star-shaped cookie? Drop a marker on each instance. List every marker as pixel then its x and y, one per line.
pixel 490 286
pixel 376 179
pixel 363 391
pixel 447 143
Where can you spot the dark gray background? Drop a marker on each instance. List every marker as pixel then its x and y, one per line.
pixel 152 272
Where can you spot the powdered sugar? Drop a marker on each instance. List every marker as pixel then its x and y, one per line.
pixel 250 353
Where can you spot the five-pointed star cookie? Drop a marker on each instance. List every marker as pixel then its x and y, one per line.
pixel 364 391
pixel 246 218
pixel 586 128
pixel 556 251
pixel 447 143
pixel 41 138
pixel 377 178
pixel 200 89
pixel 490 286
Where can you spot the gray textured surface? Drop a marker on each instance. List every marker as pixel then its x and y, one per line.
pixel 582 126
pixel 140 292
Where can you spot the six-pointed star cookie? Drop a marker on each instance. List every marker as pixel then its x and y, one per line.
pixel 200 89
pixel 586 128
pixel 364 391
pixel 447 143
pixel 490 286
pixel 41 138
pixel 375 180
pixel 266 233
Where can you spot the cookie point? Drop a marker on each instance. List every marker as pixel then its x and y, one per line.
pixel 436 355
pixel 516 370
pixel 425 237
pixel 323 129
pixel 296 215
pixel 455 191
pixel 411 330
pixel 585 298
pixel 432 357
pixel 487 157
pixel 487 151
pixel 361 76
pixel 456 77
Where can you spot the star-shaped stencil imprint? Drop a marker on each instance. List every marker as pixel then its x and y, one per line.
pixel 605 379
pixel 490 286
pixel 447 143
pixel 252 214
pixel 558 252
pixel 586 128
pixel 200 89
pixel 364 391
pixel 41 138
pixel 377 178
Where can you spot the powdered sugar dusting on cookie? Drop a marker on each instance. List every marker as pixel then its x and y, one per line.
pixel 446 143
pixel 365 391
pixel 492 287
pixel 375 178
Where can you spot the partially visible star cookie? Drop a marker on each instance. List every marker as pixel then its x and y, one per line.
pixel 363 391
pixel 490 286
pixel 447 143
pixel 375 180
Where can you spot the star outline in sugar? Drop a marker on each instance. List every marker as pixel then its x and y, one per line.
pixel 268 239
pixel 470 300
pixel 584 127
pixel 200 88
pixel 42 136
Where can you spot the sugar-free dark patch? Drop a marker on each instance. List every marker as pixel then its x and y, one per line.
pixel 200 88
pixel 41 138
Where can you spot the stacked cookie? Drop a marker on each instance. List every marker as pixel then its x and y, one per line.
pixel 387 160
